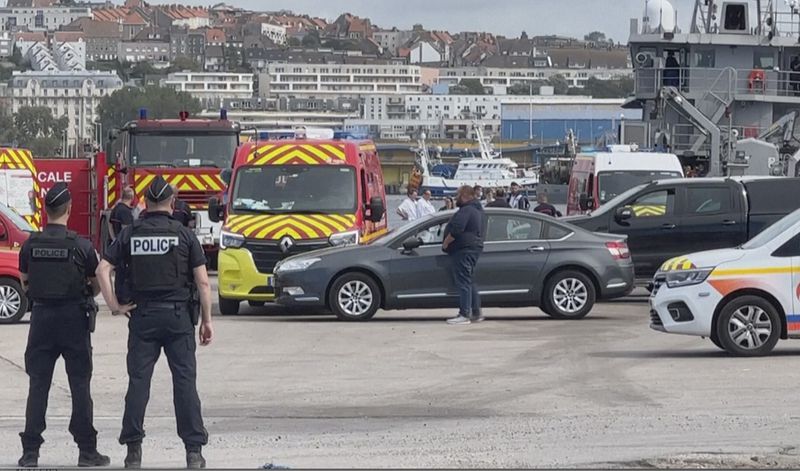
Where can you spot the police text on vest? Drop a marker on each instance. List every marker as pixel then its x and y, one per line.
pixel 157 245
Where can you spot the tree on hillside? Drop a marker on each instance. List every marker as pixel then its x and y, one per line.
pixel 141 69
pixel 468 87
pixel 615 88
pixel 595 36
pixel 8 132
pixel 161 102
pixel 312 40
pixel 34 128
pixel 181 63
pixel 559 84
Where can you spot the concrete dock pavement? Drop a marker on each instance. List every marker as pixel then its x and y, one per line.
pixel 407 390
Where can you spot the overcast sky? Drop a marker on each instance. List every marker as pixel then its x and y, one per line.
pixel 508 17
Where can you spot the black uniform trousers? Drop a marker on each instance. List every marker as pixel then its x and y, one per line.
pixel 154 326
pixel 59 331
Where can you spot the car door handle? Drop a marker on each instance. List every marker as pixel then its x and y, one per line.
pixel 668 227
pixel 728 222
pixel 536 248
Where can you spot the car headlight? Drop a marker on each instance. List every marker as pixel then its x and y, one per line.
pixel 344 238
pixel 228 240
pixel 296 264
pixel 681 278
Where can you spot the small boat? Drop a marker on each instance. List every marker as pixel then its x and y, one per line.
pixel 489 170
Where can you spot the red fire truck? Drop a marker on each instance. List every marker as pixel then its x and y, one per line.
pixel 188 153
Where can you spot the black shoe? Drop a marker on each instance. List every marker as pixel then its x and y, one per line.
pixel 195 460
pixel 134 458
pixel 30 459
pixel 92 459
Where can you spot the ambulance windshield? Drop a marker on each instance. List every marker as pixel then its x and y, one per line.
pixel 295 189
pixel 183 149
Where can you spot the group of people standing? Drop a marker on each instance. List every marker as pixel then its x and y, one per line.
pixel 160 284
pixel 413 207
pixel 125 212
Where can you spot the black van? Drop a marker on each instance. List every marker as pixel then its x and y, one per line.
pixel 670 218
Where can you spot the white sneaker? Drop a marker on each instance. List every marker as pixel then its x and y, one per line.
pixel 460 320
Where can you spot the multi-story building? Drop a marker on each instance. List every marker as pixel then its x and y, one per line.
pixel 74 95
pixel 6 44
pixel 499 80
pixel 518 117
pixel 211 88
pixel 102 38
pixel 326 80
pixel 185 42
pixel 40 19
pixel 144 51
pixel 274 32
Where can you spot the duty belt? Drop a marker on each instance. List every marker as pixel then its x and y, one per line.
pixel 163 305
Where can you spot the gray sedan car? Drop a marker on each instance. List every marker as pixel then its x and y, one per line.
pixel 528 260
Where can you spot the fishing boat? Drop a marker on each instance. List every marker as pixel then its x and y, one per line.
pixel 489 170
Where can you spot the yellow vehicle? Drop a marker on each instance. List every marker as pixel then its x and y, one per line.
pixel 291 196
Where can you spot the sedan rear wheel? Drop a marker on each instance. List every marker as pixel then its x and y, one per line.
pixel 355 297
pixel 569 294
pixel 13 302
pixel 748 326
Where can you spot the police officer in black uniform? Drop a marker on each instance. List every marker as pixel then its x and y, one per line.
pixel 181 211
pixel 164 267
pixel 58 270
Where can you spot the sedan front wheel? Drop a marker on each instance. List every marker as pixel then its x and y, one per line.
pixel 355 297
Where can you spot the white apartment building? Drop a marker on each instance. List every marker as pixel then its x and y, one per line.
pixel 143 51
pixel 327 80
pixel 498 80
pixel 75 95
pixel 40 19
pixel 6 44
pixel 276 33
pixel 211 88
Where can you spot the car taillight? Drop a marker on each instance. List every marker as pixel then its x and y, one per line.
pixel 619 250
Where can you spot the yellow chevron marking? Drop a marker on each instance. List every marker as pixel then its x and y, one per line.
pixel 271 153
pixel 322 228
pixel 198 184
pixel 288 231
pixel 212 182
pixel 337 151
pixel 312 149
pixel 144 182
pixel 264 229
pixel 299 154
pixel 254 224
pixel 342 219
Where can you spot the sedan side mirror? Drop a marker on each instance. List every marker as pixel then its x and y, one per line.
pixel 376 209
pixel 216 212
pixel 623 214
pixel 3 233
pixel 412 243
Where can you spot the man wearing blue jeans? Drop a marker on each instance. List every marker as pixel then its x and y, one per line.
pixel 464 243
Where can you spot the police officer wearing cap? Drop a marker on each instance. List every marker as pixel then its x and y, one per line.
pixel 161 262
pixel 58 271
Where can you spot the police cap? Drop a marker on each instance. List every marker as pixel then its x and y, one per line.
pixel 159 190
pixel 57 196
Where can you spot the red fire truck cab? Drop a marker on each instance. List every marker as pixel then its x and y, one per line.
pixel 188 153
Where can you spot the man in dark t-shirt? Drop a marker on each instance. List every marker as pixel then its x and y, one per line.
pixel 122 214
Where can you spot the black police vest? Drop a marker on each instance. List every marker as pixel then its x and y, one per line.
pixel 57 267
pixel 156 263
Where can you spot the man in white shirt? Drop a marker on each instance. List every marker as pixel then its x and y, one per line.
pixel 408 208
pixel 424 206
